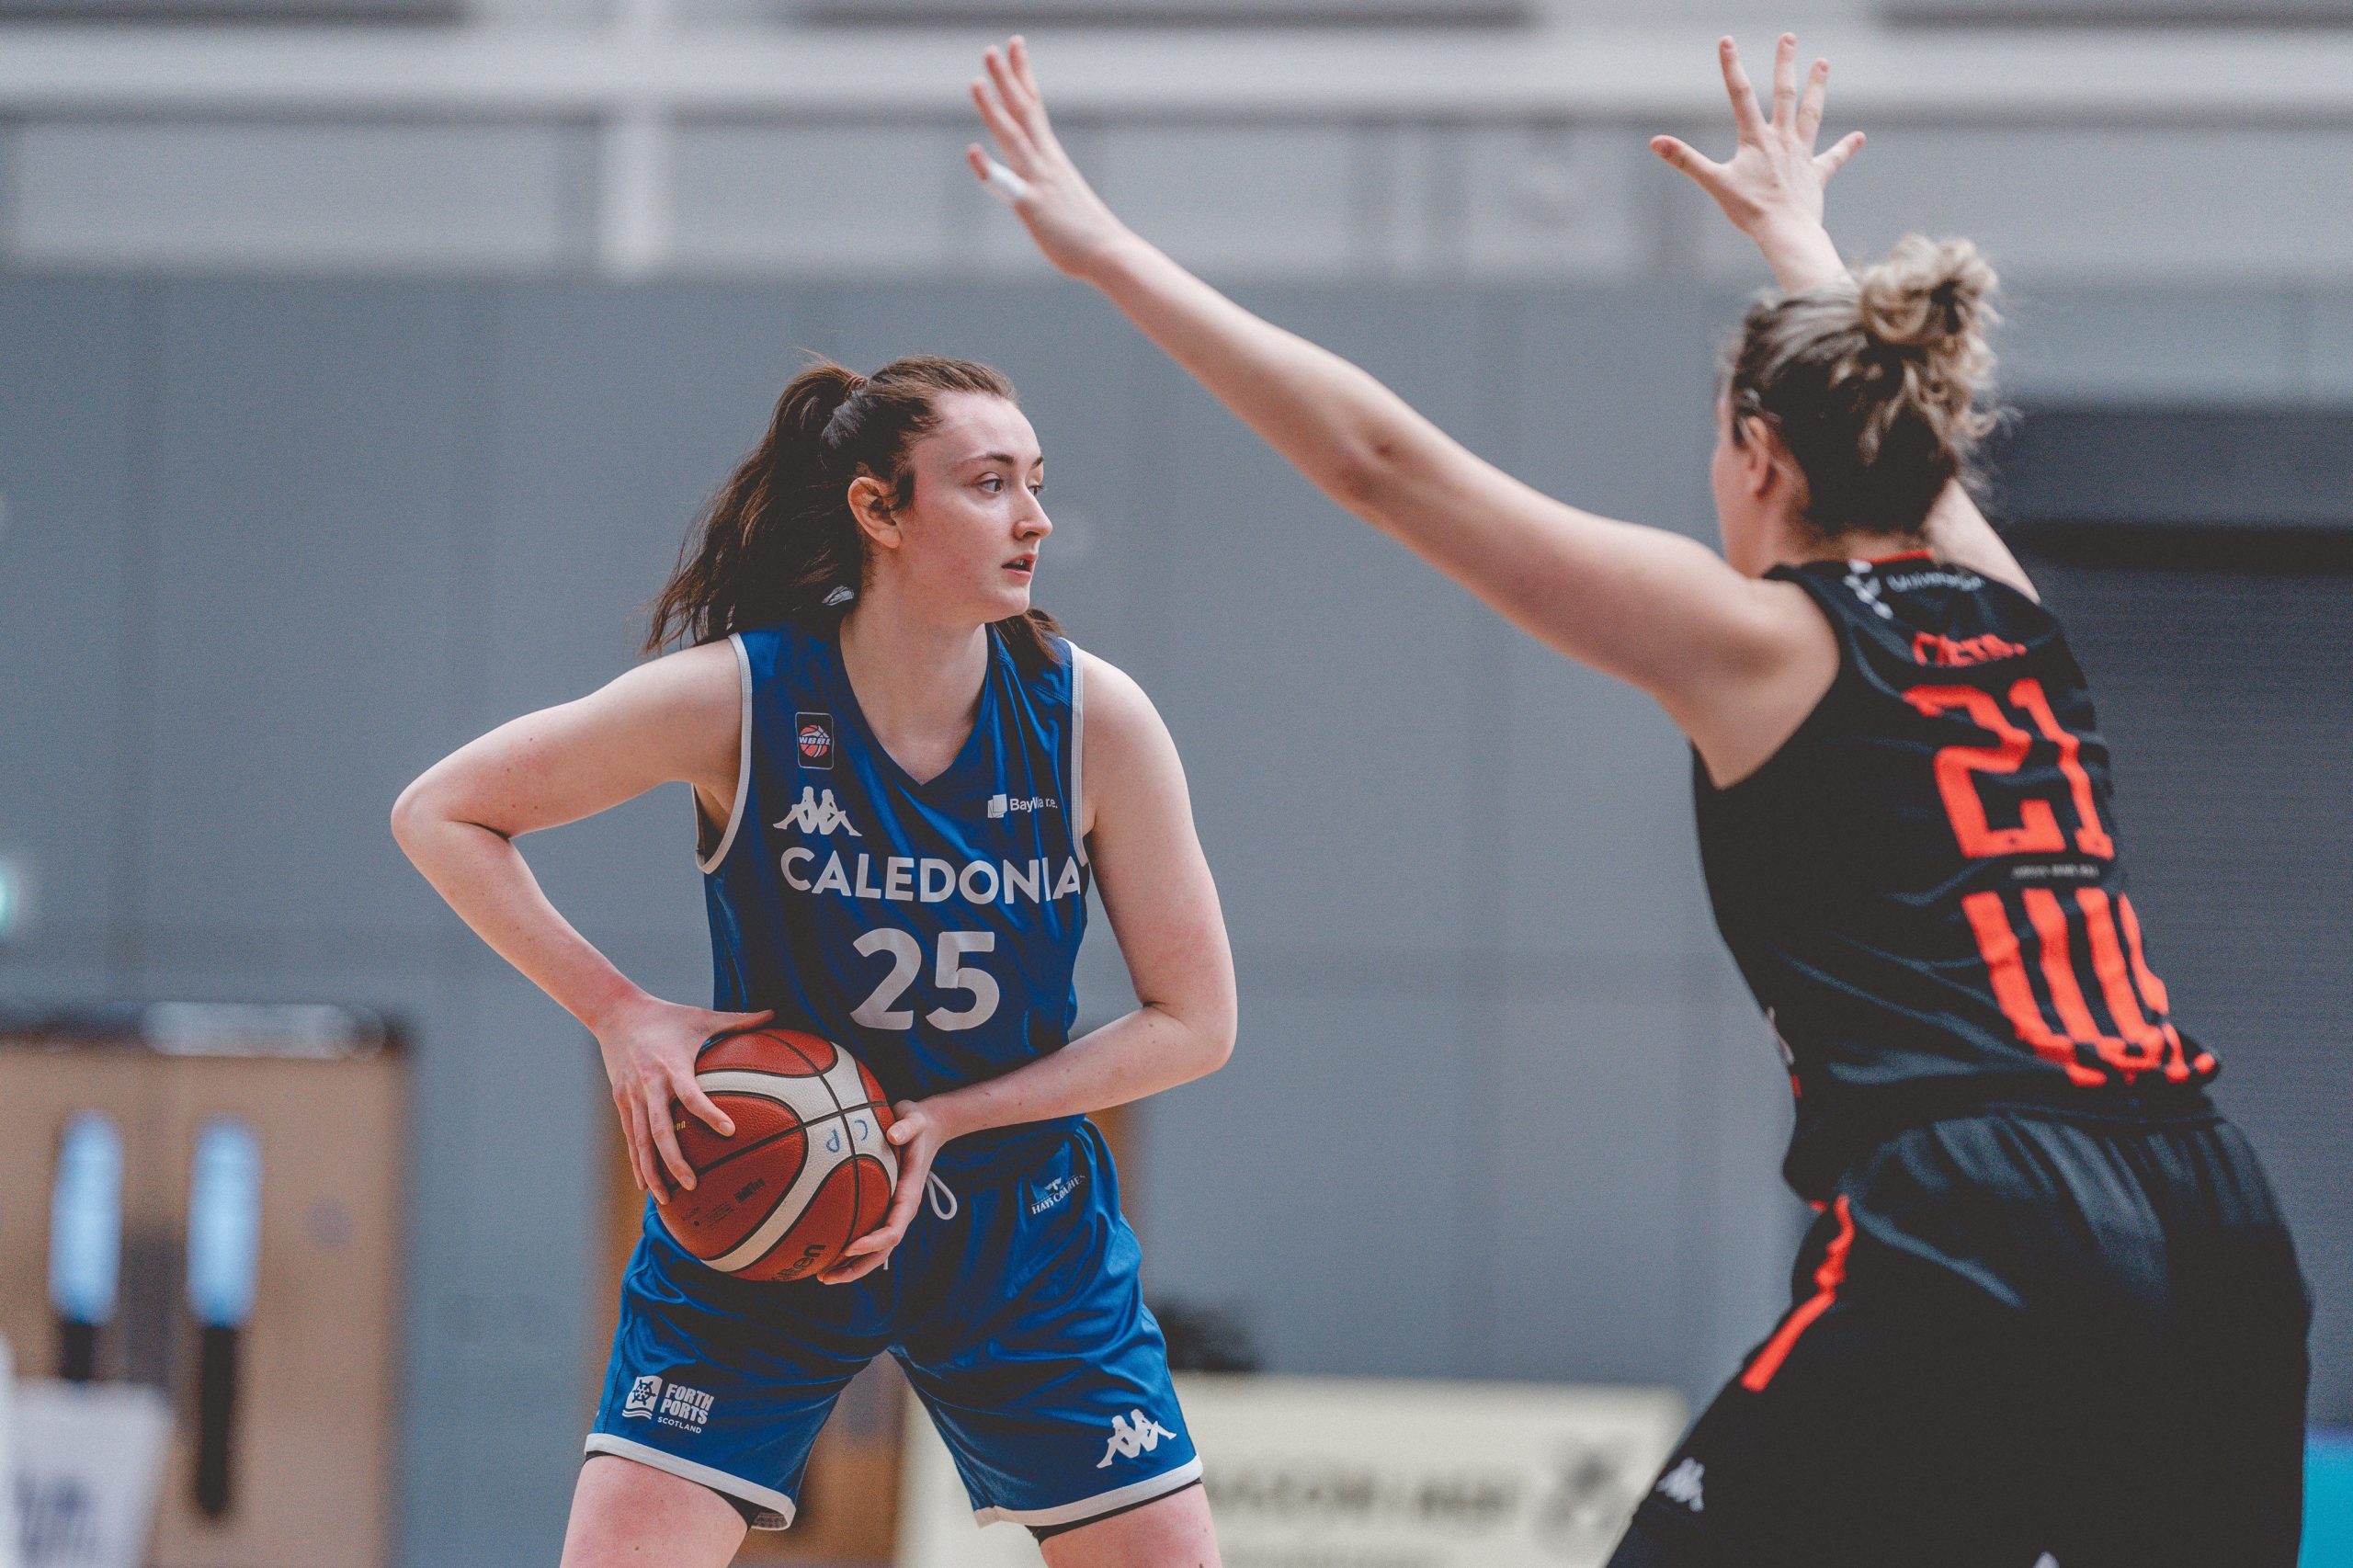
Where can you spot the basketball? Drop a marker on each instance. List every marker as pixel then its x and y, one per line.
pixel 809 1169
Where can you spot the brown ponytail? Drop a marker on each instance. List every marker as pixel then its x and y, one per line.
pixel 1873 387
pixel 779 544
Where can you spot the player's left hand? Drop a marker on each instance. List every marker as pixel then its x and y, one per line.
pixel 918 1134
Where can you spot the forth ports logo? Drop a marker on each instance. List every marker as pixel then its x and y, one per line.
pixel 1130 1438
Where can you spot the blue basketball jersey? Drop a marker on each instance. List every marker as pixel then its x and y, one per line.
pixel 931 927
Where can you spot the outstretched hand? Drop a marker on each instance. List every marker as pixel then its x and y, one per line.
pixel 1771 186
pixel 1038 179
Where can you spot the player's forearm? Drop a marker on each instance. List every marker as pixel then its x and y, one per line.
pixel 1958 531
pixel 482 876
pixel 1337 425
pixel 1136 1055
pixel 1800 252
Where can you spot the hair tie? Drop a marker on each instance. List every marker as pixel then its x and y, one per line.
pixel 827 437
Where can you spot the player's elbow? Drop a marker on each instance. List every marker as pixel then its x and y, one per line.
pixel 1213 1033
pixel 1217 1050
pixel 1364 471
pixel 420 808
pixel 409 813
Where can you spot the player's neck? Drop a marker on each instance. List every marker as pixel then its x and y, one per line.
pixel 918 678
pixel 1802 545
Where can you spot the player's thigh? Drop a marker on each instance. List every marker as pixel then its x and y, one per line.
pixel 2188 1452
pixel 627 1515
pixel 1036 1358
pixel 1878 1441
pixel 1167 1532
pixel 2191 1459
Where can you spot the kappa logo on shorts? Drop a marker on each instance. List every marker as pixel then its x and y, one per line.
pixel 644 1395
pixel 687 1409
pixel 1681 1484
pixel 818 814
pixel 1130 1440
pixel 812 736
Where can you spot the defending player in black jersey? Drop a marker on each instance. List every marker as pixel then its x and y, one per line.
pixel 2050 1307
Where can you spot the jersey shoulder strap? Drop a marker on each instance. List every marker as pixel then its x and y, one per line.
pixel 1899 615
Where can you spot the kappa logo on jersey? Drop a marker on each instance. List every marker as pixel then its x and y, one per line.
pixel 1681 1484
pixel 644 1395
pixel 819 814
pixel 1005 805
pixel 1130 1438
pixel 813 735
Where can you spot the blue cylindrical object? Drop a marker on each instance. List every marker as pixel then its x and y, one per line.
pixel 224 1223
pixel 86 1221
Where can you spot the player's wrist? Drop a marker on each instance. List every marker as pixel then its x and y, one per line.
pixel 1116 261
pixel 1799 251
pixel 951 1115
pixel 611 1014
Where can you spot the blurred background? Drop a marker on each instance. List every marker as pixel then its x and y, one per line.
pixel 363 362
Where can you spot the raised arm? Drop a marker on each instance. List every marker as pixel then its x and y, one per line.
pixel 1157 889
pixel 674 719
pixel 1771 190
pixel 1651 606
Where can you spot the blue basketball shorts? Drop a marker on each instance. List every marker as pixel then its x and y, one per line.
pixel 1020 1321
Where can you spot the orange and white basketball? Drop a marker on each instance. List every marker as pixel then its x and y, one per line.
pixel 809 1169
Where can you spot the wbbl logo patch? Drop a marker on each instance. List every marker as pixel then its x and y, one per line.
pixel 813 733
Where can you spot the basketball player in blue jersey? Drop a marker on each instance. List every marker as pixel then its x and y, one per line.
pixel 2050 1308
pixel 907 780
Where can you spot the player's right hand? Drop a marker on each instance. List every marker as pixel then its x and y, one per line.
pixel 1069 222
pixel 1774 177
pixel 650 1050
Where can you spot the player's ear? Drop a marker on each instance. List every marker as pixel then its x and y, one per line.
pixel 1766 465
pixel 871 508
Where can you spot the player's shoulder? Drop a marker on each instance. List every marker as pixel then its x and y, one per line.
pixel 684 705
pixel 1113 697
pixel 707 675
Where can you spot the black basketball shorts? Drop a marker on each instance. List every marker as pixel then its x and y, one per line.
pixel 2015 1335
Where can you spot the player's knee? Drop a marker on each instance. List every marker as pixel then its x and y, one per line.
pixel 1171 1529
pixel 625 1514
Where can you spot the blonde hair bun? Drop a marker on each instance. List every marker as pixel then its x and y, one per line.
pixel 1934 296
pixel 1874 385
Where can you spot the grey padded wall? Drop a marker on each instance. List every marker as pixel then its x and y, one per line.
pixel 78 381
pixel 1499 1108
pixel 2233 742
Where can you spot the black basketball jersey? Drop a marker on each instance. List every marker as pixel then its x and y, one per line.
pixel 1922 887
